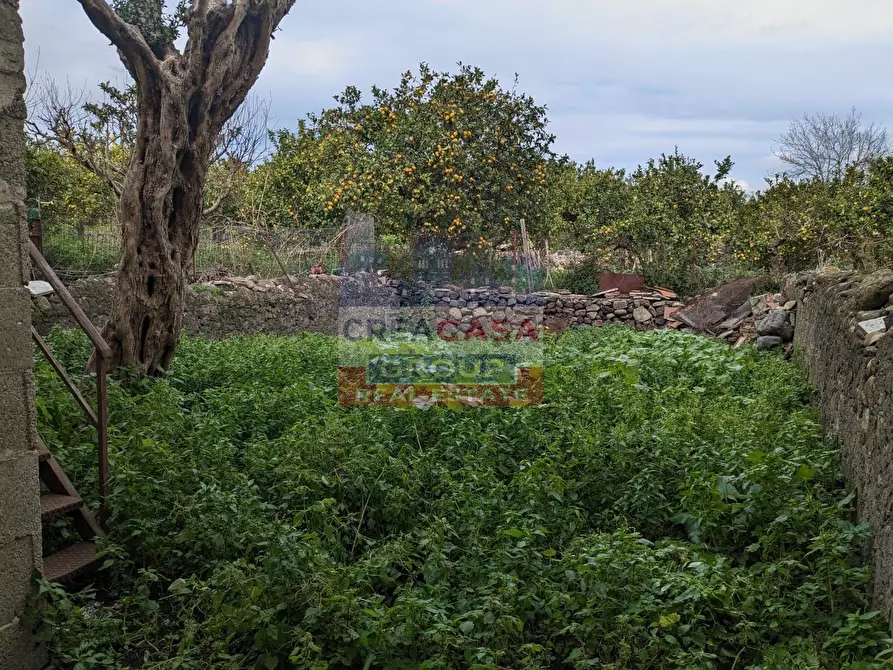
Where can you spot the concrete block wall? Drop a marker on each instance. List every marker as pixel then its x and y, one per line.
pixel 20 531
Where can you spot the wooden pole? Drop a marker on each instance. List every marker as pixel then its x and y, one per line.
pixel 515 263
pixel 548 267
pixel 525 241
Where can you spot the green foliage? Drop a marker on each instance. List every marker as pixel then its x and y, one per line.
pixel 588 203
pixel 454 155
pixel 63 192
pixel 678 215
pixel 674 505
pixel 157 27
pixel 581 278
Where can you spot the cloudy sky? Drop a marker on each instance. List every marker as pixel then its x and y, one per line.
pixel 624 80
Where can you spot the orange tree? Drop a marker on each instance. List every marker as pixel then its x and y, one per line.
pixel 587 202
pixel 676 219
pixel 794 225
pixel 451 155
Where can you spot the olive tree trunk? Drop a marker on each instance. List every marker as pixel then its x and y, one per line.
pixel 184 100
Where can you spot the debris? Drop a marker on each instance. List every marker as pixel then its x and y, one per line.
pixel 717 305
pixel 767 342
pixel 737 317
pixel 873 339
pixel 879 325
pixel 759 306
pixel 666 293
pixel 642 315
pixel 40 288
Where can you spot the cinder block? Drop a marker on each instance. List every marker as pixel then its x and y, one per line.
pixel 12 153
pixel 19 497
pixel 16 351
pixel 17 566
pixel 14 270
pixel 18 650
pixel 17 412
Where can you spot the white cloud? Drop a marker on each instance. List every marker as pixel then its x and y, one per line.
pixel 624 81
pixel 325 59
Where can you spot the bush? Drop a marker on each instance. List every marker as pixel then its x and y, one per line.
pixel 581 278
pixel 674 505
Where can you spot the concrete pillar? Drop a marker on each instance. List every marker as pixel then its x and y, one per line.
pixel 20 536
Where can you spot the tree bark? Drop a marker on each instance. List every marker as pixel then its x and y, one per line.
pixel 184 101
pixel 160 210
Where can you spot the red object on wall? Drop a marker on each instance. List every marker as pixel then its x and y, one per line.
pixel 623 283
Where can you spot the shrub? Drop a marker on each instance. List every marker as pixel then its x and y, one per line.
pixel 674 505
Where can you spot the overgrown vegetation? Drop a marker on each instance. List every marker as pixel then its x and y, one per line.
pixel 674 506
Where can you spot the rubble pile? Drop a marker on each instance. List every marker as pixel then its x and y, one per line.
pixel 731 313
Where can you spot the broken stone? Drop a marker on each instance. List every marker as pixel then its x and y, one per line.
pixel 874 338
pixel 642 315
pixel 774 323
pixel 768 342
pixel 760 306
pixel 790 305
pixel 40 288
pixel 879 325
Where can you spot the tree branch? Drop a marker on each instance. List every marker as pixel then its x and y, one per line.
pixel 135 53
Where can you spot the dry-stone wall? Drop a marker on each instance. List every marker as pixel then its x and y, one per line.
pixel 310 304
pixel 843 329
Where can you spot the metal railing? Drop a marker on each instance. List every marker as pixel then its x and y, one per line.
pixel 101 356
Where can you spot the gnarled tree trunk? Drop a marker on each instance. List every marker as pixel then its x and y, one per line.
pixel 184 100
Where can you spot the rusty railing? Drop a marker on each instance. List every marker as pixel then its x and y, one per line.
pixel 102 355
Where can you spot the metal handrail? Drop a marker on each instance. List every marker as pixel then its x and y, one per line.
pixel 101 359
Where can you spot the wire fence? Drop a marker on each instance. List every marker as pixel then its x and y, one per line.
pixel 233 250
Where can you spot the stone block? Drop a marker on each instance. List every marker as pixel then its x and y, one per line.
pixel 14 241
pixel 18 561
pixel 877 325
pixel 19 496
pixel 642 315
pixel 767 342
pixel 16 352
pixel 18 650
pixel 16 412
pixel 774 323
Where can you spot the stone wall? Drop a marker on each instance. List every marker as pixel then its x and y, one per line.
pixel 310 304
pixel 842 324
pixel 219 309
pixel 20 532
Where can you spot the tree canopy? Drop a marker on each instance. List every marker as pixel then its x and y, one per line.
pixel 454 155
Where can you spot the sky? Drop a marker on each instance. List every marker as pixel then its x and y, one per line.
pixel 624 80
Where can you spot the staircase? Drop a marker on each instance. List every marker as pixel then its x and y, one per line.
pixel 60 498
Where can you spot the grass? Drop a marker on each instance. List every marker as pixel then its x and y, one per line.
pixel 675 505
